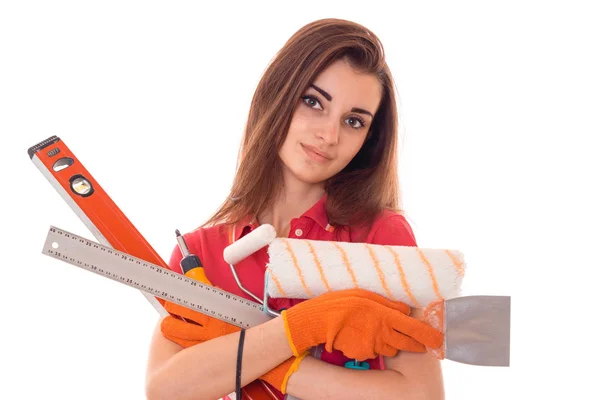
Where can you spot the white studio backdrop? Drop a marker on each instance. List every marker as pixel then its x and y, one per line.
pixel 499 119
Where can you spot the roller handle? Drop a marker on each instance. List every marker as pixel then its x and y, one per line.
pixel 252 242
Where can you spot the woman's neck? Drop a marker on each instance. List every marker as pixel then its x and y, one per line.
pixel 290 203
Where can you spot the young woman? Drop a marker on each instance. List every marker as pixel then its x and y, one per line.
pixel 318 161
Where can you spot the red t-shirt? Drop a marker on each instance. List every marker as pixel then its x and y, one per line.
pixel 389 228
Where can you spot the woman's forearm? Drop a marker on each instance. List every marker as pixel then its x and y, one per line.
pixel 207 370
pixel 318 380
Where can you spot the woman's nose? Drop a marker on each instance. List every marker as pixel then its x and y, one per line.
pixel 329 133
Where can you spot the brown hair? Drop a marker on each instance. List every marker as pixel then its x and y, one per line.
pixel 369 183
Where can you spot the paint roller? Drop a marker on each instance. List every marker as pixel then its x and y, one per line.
pixel 476 328
pixel 303 269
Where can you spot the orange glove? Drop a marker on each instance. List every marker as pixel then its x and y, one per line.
pixel 200 327
pixel 278 377
pixel 359 323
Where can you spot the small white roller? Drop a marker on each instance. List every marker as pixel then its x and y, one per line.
pixel 252 242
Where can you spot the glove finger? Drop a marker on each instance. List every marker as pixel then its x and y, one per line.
pixel 355 344
pixel 400 306
pixel 387 351
pixel 417 330
pixel 396 305
pixel 366 294
pixel 186 313
pixel 400 341
pixel 183 330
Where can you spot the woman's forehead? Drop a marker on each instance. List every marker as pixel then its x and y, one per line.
pixel 348 86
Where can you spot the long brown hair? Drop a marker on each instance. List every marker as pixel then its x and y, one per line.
pixel 369 183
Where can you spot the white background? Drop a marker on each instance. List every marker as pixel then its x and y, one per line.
pixel 500 119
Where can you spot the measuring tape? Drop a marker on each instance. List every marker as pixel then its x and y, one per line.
pixel 152 279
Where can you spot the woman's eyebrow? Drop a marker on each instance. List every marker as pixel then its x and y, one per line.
pixel 360 110
pixel 324 93
pixel 329 98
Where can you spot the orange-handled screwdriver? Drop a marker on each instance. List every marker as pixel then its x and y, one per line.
pixel 190 263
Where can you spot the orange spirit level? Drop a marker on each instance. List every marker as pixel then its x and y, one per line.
pixel 92 204
pixel 106 221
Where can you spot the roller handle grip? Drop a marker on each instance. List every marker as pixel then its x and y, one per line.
pixel 252 242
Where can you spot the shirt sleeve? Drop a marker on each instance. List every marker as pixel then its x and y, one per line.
pixel 175 259
pixel 393 229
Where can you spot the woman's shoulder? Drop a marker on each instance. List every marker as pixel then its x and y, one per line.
pixel 215 234
pixel 389 228
pixel 221 232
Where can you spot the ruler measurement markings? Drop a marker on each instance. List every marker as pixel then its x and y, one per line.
pixel 153 279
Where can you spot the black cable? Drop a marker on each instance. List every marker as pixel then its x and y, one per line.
pixel 238 371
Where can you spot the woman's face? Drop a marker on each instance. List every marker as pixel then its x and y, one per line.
pixel 330 123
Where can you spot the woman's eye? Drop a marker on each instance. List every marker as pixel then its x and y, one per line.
pixel 312 102
pixel 355 122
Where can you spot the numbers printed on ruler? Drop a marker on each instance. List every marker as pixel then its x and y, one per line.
pixel 152 279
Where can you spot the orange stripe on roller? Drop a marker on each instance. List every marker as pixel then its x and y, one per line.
pixel 346 263
pixel 405 284
pixel 298 270
pixel 436 289
pixel 458 265
pixel 318 264
pixel 379 272
pixel 277 283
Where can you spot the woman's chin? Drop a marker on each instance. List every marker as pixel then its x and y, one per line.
pixel 310 178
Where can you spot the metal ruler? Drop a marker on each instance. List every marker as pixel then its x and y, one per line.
pixel 152 279
pixel 92 204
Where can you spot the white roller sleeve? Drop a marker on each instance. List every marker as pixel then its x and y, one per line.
pixel 254 241
pixel 416 276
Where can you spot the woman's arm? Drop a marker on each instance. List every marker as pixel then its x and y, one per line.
pixel 207 370
pixel 409 376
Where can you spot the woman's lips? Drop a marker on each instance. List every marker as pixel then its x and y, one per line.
pixel 314 154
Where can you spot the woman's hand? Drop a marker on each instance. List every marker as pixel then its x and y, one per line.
pixel 359 323
pixel 196 328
